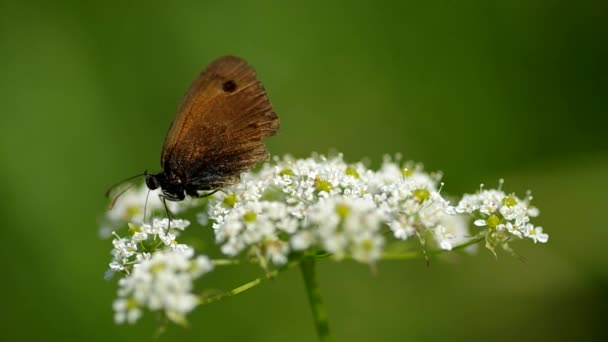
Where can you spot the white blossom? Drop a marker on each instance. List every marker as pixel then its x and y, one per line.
pixel 129 250
pixel 502 213
pixel 536 234
pixel 162 282
pixel 452 231
pixel 293 207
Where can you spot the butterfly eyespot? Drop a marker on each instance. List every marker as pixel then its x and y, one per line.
pixel 229 86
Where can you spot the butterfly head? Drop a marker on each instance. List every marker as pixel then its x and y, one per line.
pixel 153 181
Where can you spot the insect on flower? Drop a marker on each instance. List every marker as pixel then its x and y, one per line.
pixel 217 132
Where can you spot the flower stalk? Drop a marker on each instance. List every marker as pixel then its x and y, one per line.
pixel 319 314
pixel 237 290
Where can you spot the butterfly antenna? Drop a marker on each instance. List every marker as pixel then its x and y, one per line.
pixel 115 198
pixel 107 194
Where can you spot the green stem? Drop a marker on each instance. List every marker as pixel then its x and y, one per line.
pixel 238 290
pixel 226 262
pixel 242 288
pixel 417 254
pixel 307 266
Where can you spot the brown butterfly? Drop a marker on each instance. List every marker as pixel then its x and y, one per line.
pixel 217 132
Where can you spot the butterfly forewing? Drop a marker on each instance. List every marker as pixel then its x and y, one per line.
pixel 218 130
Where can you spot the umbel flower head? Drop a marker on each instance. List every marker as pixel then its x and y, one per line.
pixel 161 282
pixel 293 207
pixel 323 204
pixel 505 216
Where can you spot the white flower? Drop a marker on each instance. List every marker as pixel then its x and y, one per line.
pixel 480 223
pixel 502 213
pixel 302 240
pixel 162 282
pixel 126 251
pixel 536 234
pixel 293 207
pixel 452 232
pixel 513 229
pixel 123 248
pixel 276 251
pixel 254 224
pixel 367 247
pixel 294 204
pixel 402 230
pixel 346 225
pixel 533 212
pixel 126 310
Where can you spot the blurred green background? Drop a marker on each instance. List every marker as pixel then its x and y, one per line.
pixel 478 89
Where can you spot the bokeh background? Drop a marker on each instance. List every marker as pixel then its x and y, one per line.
pixel 478 89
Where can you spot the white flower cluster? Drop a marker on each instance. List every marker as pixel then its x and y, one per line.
pixel 159 271
pixel 162 282
pixel 290 207
pixel 144 239
pixel 505 216
pixel 326 205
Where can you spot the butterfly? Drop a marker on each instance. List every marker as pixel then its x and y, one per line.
pixel 217 133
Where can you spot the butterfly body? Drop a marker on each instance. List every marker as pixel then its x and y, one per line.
pixel 217 132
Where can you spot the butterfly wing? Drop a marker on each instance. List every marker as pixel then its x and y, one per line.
pixel 218 130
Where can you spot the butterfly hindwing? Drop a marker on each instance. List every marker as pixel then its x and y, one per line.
pixel 218 130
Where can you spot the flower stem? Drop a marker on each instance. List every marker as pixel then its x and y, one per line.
pixel 204 300
pixel 417 254
pixel 238 290
pixel 307 266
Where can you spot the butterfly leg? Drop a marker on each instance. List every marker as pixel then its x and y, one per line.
pixel 195 193
pixel 164 199
pixel 167 196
